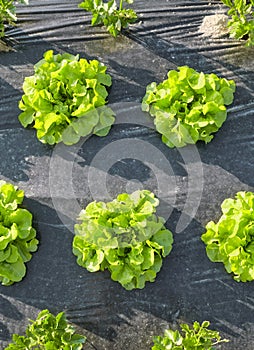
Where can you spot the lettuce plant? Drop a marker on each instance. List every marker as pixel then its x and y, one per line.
pixel 231 239
pixel 8 13
pixel 48 332
pixel 241 22
pixel 114 18
pixel 197 337
pixel 65 99
pixel 188 106
pixel 17 237
pixel 124 236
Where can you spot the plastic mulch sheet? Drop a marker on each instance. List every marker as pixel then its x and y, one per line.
pixel 190 182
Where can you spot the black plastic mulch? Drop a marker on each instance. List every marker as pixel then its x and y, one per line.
pixel 191 183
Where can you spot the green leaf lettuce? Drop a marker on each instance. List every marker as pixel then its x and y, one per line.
pixel 114 18
pixel 124 236
pixel 48 332
pixel 188 106
pixel 8 13
pixel 231 239
pixel 65 99
pixel 17 236
pixel 195 337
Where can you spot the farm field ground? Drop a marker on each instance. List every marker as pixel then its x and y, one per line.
pixel 190 182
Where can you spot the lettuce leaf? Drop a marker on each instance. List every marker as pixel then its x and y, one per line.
pixel 188 106
pixel 231 239
pixel 124 236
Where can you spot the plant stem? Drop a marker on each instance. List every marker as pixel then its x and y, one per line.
pixel 121 5
pixel 221 341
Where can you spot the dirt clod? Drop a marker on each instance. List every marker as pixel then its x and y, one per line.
pixel 214 26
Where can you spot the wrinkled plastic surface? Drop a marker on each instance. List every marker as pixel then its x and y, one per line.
pixel 191 182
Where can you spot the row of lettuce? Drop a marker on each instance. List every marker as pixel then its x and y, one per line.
pixel 51 332
pixel 127 237
pixel 117 17
pixel 66 99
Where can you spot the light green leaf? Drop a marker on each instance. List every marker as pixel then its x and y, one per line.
pixel 228 95
pixel 4 254
pixel 14 254
pixel 165 239
pixel 121 273
pixel 197 81
pixel 6 236
pixel 84 125
pixel 93 264
pixel 69 136
pixel 27 117
pixel 10 197
pixel 213 252
pixel 14 272
pixel 23 219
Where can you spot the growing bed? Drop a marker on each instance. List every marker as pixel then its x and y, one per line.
pixel 190 182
